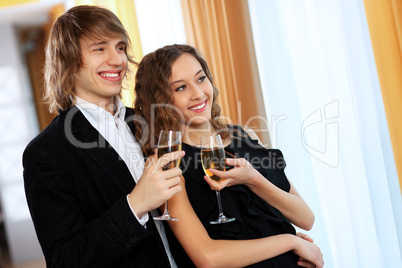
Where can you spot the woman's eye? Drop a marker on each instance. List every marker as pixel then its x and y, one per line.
pixel 202 78
pixel 180 88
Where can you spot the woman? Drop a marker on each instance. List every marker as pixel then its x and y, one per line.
pixel 174 90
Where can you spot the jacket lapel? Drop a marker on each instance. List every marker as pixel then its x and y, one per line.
pixel 99 150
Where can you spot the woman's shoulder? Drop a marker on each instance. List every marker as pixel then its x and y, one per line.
pixel 238 131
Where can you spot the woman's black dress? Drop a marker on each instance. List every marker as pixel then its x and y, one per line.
pixel 254 217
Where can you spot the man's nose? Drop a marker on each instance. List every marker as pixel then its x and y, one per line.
pixel 115 57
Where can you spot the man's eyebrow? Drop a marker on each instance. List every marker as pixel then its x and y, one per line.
pixel 98 43
pixel 122 43
pixel 177 81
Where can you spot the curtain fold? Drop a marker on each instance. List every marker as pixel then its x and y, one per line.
pixel 125 10
pixel 221 31
pixel 384 18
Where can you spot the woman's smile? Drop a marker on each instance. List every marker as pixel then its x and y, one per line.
pixel 198 108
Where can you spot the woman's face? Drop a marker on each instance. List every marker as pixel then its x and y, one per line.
pixel 192 90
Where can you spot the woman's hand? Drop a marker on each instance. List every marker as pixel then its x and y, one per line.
pixel 242 173
pixel 310 255
pixel 289 203
pixel 305 237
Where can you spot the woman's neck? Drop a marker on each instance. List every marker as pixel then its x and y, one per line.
pixel 192 134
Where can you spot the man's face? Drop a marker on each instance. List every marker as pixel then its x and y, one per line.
pixel 104 67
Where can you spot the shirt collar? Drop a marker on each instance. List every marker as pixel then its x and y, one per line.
pixel 97 114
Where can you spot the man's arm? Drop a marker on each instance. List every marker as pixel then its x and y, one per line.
pixel 67 239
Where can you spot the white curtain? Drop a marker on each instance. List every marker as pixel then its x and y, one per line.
pixel 160 23
pixel 326 114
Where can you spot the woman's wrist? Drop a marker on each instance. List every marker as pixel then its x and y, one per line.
pixel 295 242
pixel 255 180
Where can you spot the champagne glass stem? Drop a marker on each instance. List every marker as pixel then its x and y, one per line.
pixel 221 218
pixel 166 216
pixel 218 196
pixel 166 212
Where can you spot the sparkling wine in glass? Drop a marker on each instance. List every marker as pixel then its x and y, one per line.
pixel 169 141
pixel 213 156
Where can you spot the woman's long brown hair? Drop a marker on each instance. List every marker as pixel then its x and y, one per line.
pixel 153 105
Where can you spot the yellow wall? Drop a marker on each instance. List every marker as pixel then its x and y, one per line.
pixel 8 3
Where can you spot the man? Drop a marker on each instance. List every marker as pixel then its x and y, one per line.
pixel 82 173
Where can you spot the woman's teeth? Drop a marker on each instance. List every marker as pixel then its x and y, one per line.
pixel 198 107
pixel 110 74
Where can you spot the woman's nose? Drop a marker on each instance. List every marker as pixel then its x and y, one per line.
pixel 197 93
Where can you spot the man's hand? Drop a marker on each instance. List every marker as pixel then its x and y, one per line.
pixel 156 185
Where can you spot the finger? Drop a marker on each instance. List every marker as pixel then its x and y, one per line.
pixel 231 161
pixel 305 237
pixel 170 173
pixel 214 185
pixel 239 162
pixel 217 185
pixel 223 174
pixel 172 182
pixel 172 191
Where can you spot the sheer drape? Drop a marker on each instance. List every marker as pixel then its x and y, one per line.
pixel 160 26
pixel 323 98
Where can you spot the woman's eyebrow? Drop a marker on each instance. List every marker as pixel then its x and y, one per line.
pixel 178 81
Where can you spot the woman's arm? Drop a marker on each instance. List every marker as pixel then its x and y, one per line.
pixel 290 204
pixel 206 252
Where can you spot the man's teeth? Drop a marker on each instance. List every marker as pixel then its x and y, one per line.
pixel 110 74
pixel 198 107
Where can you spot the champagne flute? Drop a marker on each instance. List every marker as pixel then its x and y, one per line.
pixel 213 156
pixel 169 141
